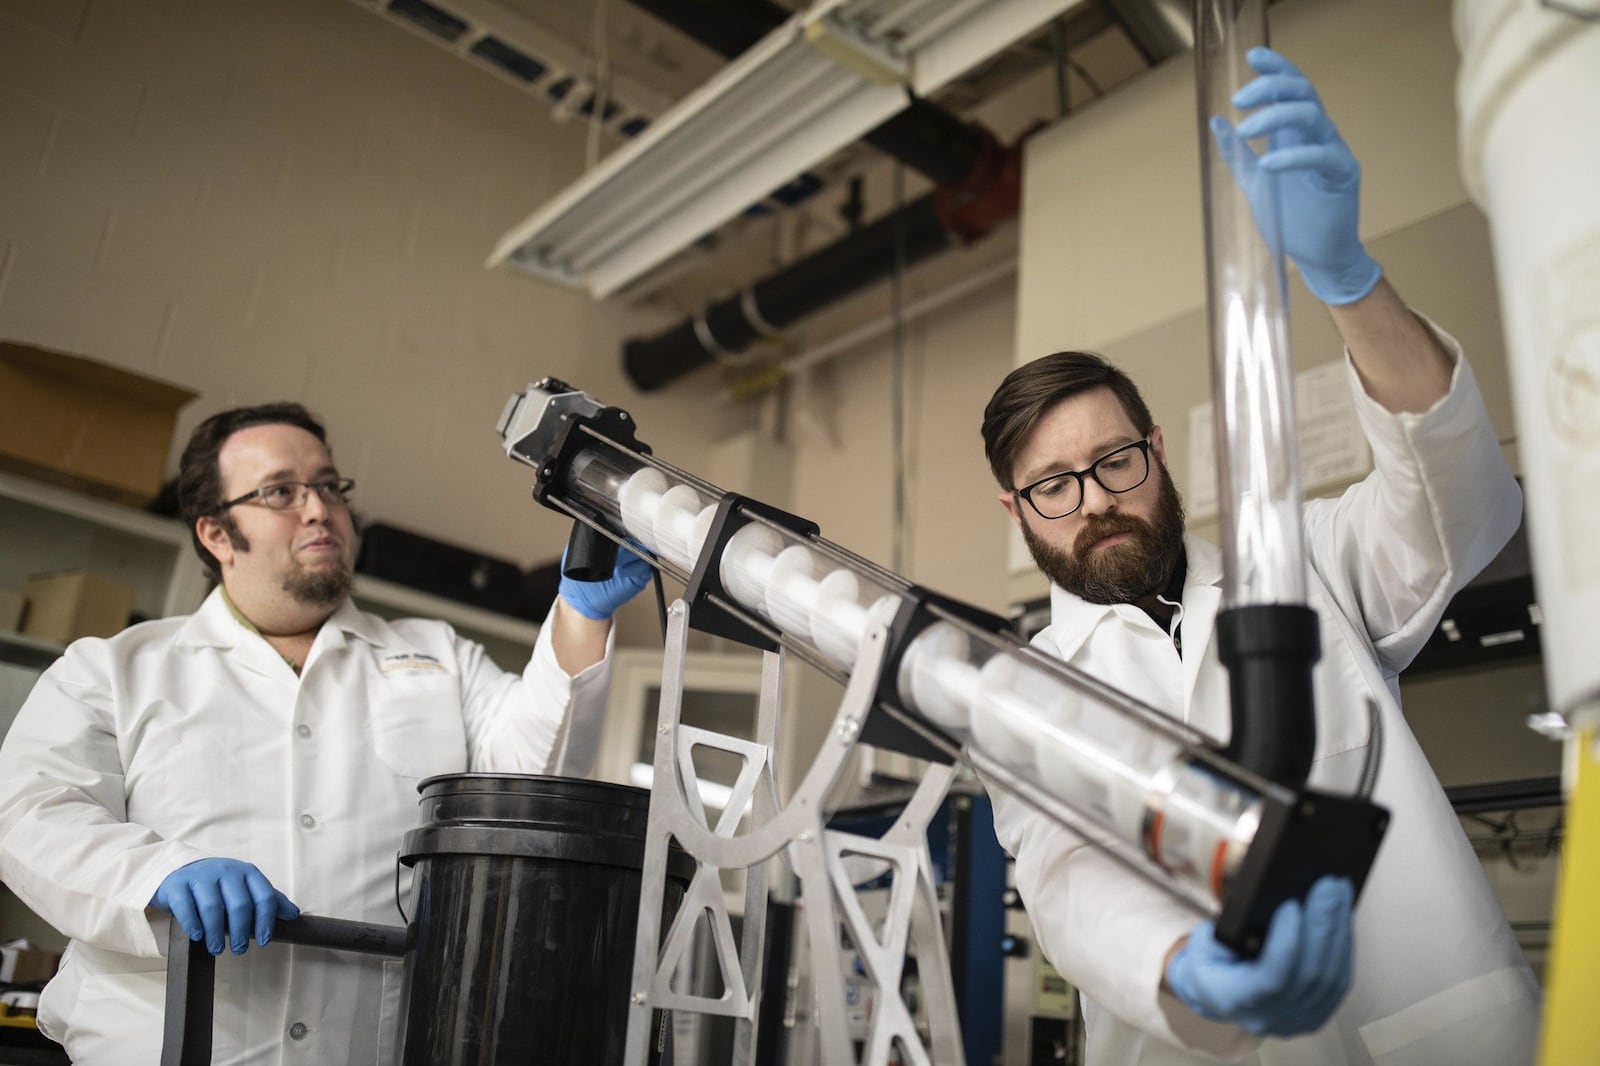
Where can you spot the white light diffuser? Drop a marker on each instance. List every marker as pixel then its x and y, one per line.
pixel 815 84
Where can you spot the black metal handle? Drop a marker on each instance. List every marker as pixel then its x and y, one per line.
pixel 341 934
pixel 590 556
pixel 192 975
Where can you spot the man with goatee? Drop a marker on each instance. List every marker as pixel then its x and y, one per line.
pixel 225 769
pixel 1425 970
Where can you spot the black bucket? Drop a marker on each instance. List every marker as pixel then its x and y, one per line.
pixel 526 907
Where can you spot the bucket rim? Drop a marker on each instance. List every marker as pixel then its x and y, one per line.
pixel 528 784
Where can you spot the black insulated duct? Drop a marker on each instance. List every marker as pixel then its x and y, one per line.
pixel 727 27
pixel 733 324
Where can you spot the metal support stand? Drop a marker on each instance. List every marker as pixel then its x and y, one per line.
pixel 676 812
pixel 912 919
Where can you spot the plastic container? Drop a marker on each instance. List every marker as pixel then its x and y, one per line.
pixel 526 904
pixel 1530 152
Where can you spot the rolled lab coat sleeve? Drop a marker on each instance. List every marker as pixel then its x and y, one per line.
pixel 66 847
pixel 1439 504
pixel 1107 931
pixel 544 721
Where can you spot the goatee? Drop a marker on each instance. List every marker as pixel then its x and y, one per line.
pixel 1124 572
pixel 320 588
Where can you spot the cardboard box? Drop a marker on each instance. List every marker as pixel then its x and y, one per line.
pixel 26 966
pixel 11 602
pixel 85 424
pixel 75 603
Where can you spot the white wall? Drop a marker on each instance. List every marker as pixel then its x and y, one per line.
pixel 293 199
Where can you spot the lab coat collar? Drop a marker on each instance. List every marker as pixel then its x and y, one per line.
pixel 353 621
pixel 212 626
pixel 1072 618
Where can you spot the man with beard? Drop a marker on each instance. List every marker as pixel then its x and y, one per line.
pixel 262 753
pixel 1426 970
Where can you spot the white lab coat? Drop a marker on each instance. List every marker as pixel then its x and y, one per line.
pixel 187 738
pixel 1439 978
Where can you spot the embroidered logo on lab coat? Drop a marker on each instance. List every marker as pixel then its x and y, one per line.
pixel 411 662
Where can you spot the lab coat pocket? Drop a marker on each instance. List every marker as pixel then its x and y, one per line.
pixel 117 1016
pixel 1490 1018
pixel 417 729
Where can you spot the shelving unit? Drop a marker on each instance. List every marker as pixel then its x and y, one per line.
pixel 44 527
pixel 21 650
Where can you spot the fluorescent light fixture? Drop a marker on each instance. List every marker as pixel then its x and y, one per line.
pixel 813 85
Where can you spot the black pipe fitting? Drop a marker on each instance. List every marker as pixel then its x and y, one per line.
pixel 1269 650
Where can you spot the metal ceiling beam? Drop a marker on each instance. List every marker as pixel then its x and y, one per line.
pixel 1159 29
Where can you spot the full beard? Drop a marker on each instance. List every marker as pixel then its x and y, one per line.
pixel 320 588
pixel 1124 572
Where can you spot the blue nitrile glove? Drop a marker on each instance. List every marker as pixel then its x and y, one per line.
pixel 1319 180
pixel 600 599
pixel 223 899
pixel 1293 986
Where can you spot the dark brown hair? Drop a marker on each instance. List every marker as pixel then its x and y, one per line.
pixel 1033 388
pixel 200 478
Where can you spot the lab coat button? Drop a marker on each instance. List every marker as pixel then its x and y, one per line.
pixel 307 821
pixel 303 730
pixel 297 1031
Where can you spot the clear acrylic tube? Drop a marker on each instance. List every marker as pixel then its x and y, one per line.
pixel 785 580
pixel 1258 456
pixel 1116 769
pixel 1120 768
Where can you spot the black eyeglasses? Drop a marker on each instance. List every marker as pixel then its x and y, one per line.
pixel 1121 470
pixel 291 495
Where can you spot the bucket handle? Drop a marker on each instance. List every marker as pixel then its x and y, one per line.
pixel 397 904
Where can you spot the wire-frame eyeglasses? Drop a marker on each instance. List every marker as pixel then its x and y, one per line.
pixel 291 495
